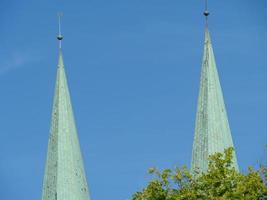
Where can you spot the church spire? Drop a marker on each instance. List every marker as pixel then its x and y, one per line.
pixel 212 131
pixel 64 177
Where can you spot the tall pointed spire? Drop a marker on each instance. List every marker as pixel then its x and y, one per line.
pixel 212 131
pixel 64 177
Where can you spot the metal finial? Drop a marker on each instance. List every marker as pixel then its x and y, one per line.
pixel 206 12
pixel 59 37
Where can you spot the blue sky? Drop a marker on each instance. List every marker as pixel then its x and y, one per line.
pixel 133 69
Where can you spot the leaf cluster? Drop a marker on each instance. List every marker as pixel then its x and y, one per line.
pixel 220 182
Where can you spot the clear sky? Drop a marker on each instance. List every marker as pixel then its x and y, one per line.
pixel 133 68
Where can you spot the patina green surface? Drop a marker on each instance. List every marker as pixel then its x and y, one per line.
pixel 64 178
pixel 212 131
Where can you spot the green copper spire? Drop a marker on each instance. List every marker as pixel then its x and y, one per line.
pixel 64 174
pixel 212 131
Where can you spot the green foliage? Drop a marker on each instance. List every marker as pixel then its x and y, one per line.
pixel 220 182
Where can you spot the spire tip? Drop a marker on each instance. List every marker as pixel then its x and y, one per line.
pixel 60 36
pixel 206 12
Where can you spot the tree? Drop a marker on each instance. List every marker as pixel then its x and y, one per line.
pixel 220 182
